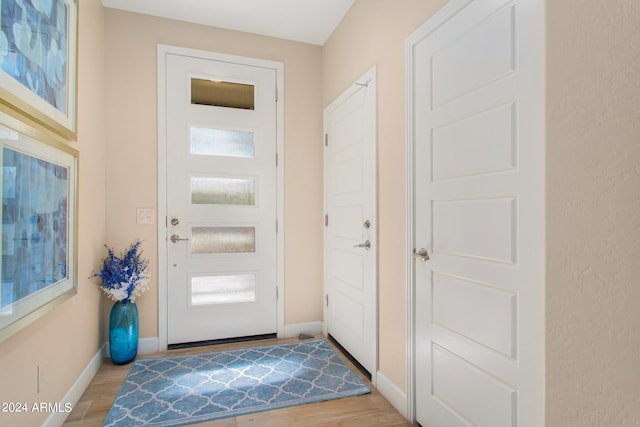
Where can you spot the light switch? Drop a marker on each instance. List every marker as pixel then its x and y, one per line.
pixel 146 216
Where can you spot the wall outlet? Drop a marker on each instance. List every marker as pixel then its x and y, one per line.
pixel 43 376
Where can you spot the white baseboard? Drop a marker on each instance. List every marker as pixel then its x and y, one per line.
pixel 294 329
pixel 57 419
pixel 145 346
pixel 392 393
pixel 148 345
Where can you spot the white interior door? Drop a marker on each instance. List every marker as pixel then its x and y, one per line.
pixel 221 199
pixel 351 224
pixel 478 186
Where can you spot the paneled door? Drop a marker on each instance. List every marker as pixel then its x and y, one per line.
pixel 221 199
pixel 351 239
pixel 476 119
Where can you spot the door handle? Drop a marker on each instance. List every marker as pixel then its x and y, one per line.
pixel 175 239
pixel 366 245
pixel 420 254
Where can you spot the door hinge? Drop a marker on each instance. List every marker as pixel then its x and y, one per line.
pixel 326 139
pixel 276 159
pixel 277 226
pixel 326 220
pixel 276 94
pixel 277 293
pixel 326 300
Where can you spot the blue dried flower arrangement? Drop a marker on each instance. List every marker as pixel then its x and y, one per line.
pixel 124 277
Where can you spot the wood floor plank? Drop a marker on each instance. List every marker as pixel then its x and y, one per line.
pixel 359 411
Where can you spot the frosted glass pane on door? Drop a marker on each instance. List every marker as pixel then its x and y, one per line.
pixel 223 289
pixel 223 191
pixel 217 240
pixel 220 142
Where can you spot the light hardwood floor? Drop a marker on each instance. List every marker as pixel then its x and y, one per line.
pixel 360 411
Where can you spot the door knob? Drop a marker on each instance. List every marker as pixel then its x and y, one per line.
pixel 175 221
pixel 175 239
pixel 366 245
pixel 420 254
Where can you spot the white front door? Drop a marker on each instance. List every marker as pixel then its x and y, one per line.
pixel 351 243
pixel 477 129
pixel 221 199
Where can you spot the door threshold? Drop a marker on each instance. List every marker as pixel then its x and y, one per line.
pixel 221 341
pixel 352 359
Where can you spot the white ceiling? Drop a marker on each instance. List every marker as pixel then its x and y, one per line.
pixel 309 21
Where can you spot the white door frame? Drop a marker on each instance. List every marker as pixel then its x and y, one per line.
pixel 369 76
pixel 440 17
pixel 163 51
pixel 452 8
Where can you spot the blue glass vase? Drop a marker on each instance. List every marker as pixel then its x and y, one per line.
pixel 123 332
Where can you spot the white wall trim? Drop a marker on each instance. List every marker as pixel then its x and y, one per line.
pixel 57 419
pixel 163 50
pixel 392 393
pixel 294 329
pixel 279 66
pixel 438 19
pixel 163 331
pixel 145 346
pixel 148 345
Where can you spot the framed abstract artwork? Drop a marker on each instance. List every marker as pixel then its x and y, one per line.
pixel 38 62
pixel 39 231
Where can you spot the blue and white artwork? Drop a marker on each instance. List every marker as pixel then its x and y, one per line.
pixel 33 47
pixel 35 237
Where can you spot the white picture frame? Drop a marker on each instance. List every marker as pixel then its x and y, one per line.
pixel 39 184
pixel 38 63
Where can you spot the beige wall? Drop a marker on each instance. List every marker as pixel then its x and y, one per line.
pixel 593 213
pixel 373 33
pixel 67 338
pixel 131 111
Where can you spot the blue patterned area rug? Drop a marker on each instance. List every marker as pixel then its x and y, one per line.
pixel 179 390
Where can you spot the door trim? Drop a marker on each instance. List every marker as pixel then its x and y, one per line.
pixel 537 117
pixel 439 18
pixel 443 15
pixel 163 51
pixel 369 76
